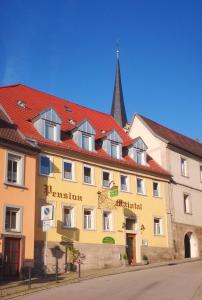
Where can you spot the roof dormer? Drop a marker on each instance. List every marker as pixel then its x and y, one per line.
pixel 138 151
pixel 112 144
pixel 84 136
pixel 48 124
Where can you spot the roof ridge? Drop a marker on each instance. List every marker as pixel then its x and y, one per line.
pixel 187 137
pixel 59 98
pixel 10 85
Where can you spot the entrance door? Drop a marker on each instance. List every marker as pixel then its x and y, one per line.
pixel 131 250
pixel 11 256
pixel 187 246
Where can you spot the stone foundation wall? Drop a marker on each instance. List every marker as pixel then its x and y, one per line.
pixel 96 256
pixel 179 231
pixel 157 254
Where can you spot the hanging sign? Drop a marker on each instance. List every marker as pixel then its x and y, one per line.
pixel 114 191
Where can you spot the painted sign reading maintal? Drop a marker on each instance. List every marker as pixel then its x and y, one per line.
pixel 108 240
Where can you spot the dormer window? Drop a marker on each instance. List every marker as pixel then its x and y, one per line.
pixel 112 144
pixel 48 124
pixel 49 130
pixel 138 151
pixel 84 136
pixel 86 141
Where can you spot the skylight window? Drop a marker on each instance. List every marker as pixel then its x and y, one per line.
pixel 21 104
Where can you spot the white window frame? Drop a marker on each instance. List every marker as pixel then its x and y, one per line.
pixel 20 177
pixel 92 210
pixel 18 211
pixel 89 136
pixel 127 183
pixel 73 169
pixel 51 165
pixel 53 125
pixel 143 186
pixel 110 178
pixel 92 175
pixel 73 222
pixel 158 184
pixel 158 231
pixel 113 143
pixel 184 166
pixel 110 213
pixel 187 204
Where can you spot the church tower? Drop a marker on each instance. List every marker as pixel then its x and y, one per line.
pixel 118 110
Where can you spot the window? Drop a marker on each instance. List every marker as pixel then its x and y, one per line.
pixel 114 150
pixel 201 173
pixel 158 226
pixel 88 219
pixel 68 170
pixel 106 178
pixel 187 204
pixel 12 222
pixel 68 217
pixel 50 130
pixel 124 183
pixel 130 223
pixel 86 141
pixel 15 171
pixel 184 167
pixel 107 220
pixel 140 186
pixel 45 165
pixel 88 173
pixel 138 152
pixel 156 192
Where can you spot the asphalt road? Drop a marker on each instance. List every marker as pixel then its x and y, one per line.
pixel 176 282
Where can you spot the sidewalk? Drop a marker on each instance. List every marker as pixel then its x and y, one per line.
pixel 20 288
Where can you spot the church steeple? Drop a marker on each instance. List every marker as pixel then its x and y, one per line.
pixel 118 110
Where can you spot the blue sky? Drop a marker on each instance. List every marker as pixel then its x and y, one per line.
pixel 67 48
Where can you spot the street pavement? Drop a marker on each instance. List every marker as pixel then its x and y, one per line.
pixel 173 282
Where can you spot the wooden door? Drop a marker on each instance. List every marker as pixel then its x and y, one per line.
pixel 131 248
pixel 11 257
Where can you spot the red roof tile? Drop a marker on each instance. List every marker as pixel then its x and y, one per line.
pixel 37 101
pixel 174 138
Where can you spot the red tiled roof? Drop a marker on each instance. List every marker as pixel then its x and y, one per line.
pixel 174 138
pixel 9 133
pixel 37 101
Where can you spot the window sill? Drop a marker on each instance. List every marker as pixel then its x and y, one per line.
pixel 157 197
pixel 12 231
pixel 19 186
pixel 187 213
pixel 89 229
pixel 90 184
pixel 69 228
pixel 109 230
pixel 159 235
pixel 69 180
pixel 185 176
pixel 44 175
pixel 140 194
pixel 122 191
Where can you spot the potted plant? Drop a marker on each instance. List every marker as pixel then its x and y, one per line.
pixel 74 255
pixel 145 259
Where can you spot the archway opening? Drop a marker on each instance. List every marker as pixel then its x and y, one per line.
pixel 190 245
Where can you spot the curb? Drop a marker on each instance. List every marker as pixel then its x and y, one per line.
pixel 97 275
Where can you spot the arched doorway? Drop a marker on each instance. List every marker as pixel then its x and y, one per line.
pixel 190 245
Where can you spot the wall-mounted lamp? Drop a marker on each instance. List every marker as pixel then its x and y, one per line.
pixel 142 228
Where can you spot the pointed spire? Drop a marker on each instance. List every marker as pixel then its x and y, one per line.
pixel 118 110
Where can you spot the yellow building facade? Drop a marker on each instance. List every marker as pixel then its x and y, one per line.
pixel 138 224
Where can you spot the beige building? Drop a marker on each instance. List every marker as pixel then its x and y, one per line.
pixel 182 157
